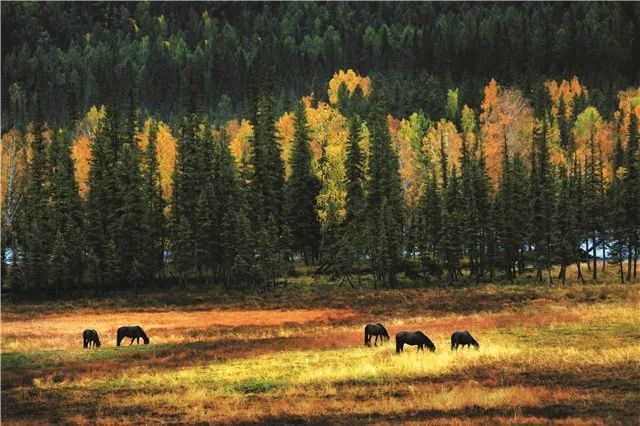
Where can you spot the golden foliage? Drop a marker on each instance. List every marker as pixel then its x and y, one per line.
pixel 351 80
pixel 568 90
pixel 506 115
pixel 443 134
pixel 81 154
pixel 240 133
pixel 406 139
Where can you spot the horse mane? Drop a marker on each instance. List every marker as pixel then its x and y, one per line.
pixel 143 334
pixel 382 327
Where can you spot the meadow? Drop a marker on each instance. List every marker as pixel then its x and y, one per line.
pixel 562 354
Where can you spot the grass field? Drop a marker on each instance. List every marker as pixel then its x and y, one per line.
pixel 568 355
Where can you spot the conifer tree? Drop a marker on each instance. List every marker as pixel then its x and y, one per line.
pixel 632 194
pixel 384 199
pixel 451 237
pixel 268 168
pixel 66 209
pixel 302 189
pixel 131 231
pixel 103 202
pixel 542 200
pixel 35 222
pixel 153 259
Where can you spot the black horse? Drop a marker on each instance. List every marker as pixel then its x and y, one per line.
pixel 135 332
pixel 413 338
pixel 89 337
pixel 463 338
pixel 377 330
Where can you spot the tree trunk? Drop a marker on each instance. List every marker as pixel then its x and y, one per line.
pixel 621 271
pixel 595 259
pixel 629 259
pixel 604 255
pixel 578 264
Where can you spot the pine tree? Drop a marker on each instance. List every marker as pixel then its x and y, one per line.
pixel 542 200
pixel 268 167
pixel 384 199
pixel 343 251
pixel 153 259
pixel 594 195
pixel 302 189
pixel 131 231
pixel 505 203
pixel 66 209
pixel 631 183
pixel 616 202
pixel 104 202
pixel 187 186
pixel 35 221
pixel 451 237
pixel 564 231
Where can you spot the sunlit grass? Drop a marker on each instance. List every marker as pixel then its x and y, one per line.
pixel 549 359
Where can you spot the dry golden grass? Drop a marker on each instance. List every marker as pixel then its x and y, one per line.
pixel 564 355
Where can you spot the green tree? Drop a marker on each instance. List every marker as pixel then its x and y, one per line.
pixel 302 189
pixel 67 221
pixel 153 258
pixel 35 221
pixel 384 200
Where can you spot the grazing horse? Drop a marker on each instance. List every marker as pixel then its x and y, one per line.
pixel 377 330
pixel 463 338
pixel 89 337
pixel 135 332
pixel 413 338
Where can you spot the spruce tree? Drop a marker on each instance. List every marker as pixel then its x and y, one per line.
pixel 131 231
pixel 616 202
pixel 268 167
pixel 153 259
pixel 564 227
pixel 384 199
pixel 632 194
pixel 103 202
pixel 35 221
pixel 542 200
pixel 67 221
pixel 350 245
pixel 451 236
pixel 302 189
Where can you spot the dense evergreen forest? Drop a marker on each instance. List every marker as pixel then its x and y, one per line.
pixel 63 58
pixel 224 143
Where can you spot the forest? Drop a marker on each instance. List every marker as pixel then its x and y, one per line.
pixel 153 144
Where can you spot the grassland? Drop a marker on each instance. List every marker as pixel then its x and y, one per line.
pixel 568 355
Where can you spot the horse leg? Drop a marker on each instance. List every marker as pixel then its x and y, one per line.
pixel 375 342
pixel 132 339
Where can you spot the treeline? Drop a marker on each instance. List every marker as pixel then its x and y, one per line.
pixel 62 58
pixel 243 223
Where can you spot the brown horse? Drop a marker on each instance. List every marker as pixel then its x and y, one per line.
pixel 377 330
pixel 135 332
pixel 413 338
pixel 90 337
pixel 463 338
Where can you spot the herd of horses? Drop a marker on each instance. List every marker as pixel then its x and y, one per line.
pixel 412 338
pixel 415 338
pixel 134 332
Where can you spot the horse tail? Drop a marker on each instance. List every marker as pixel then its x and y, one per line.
pixel 119 338
pixel 84 342
pixel 453 341
pixel 365 336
